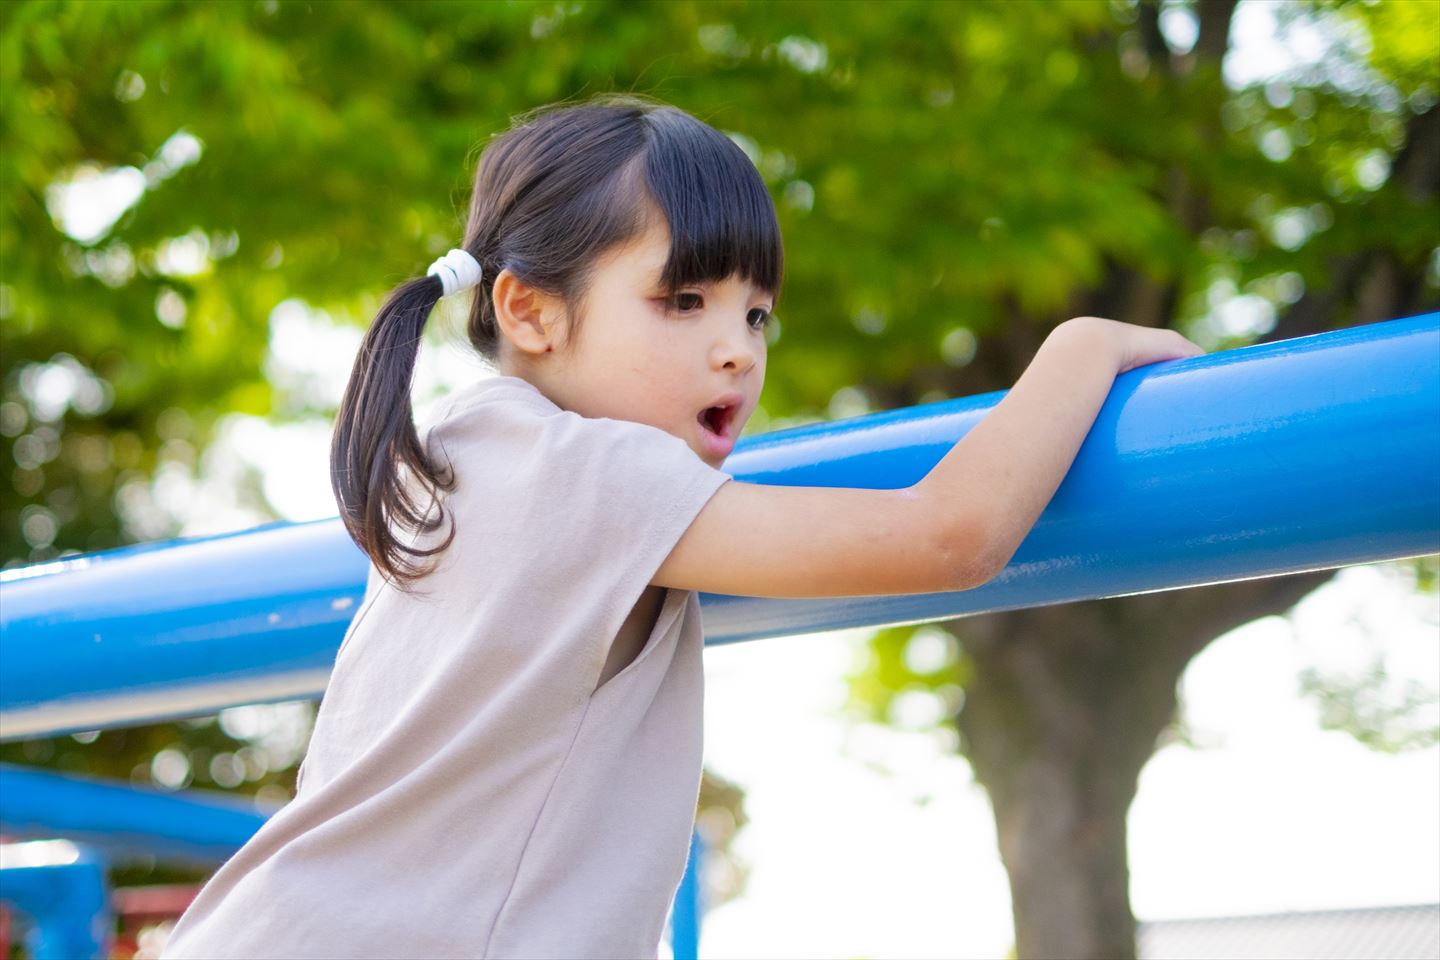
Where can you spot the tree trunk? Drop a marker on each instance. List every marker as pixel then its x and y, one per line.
pixel 1063 710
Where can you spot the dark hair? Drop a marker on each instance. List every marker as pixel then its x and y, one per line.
pixel 564 185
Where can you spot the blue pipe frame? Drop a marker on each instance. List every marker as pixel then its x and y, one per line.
pixel 1305 454
pixel 1371 495
pixel 68 902
pixel 193 828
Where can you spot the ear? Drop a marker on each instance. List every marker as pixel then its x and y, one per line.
pixel 528 317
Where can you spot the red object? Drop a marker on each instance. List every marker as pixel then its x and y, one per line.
pixel 158 902
pixel 138 907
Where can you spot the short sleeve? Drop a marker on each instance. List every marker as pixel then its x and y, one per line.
pixel 615 489
pixel 556 509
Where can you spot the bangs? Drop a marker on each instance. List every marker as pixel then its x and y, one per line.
pixel 722 220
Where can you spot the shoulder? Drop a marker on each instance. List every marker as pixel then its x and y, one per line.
pixel 511 418
pixel 489 396
pixel 503 415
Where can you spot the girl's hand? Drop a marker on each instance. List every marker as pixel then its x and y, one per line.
pixel 1135 346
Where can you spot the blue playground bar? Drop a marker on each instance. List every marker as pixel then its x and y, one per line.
pixel 1305 454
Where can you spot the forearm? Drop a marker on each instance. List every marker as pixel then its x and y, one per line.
pixel 996 481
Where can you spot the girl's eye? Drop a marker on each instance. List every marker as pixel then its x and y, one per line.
pixel 688 302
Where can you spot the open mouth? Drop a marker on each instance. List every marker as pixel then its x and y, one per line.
pixel 717 419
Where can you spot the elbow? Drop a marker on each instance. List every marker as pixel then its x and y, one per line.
pixel 964 541
pixel 969 560
pixel 978 573
pixel 990 567
pixel 997 550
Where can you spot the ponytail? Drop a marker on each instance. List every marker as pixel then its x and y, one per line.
pixel 375 439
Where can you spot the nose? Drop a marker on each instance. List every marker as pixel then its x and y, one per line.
pixel 734 350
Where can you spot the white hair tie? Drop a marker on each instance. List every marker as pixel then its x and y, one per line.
pixel 457 271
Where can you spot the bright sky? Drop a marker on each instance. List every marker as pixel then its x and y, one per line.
pixel 875 842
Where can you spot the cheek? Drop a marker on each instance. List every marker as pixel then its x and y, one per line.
pixel 648 356
pixel 629 339
pixel 653 355
pixel 667 348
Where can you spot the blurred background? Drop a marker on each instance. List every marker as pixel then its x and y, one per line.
pixel 203 204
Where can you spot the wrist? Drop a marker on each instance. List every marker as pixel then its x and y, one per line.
pixel 1097 337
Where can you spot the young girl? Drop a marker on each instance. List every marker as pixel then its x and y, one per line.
pixel 507 758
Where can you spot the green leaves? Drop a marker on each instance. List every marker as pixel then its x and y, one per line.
pixel 934 165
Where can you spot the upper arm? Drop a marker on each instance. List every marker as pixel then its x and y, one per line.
pixel 760 540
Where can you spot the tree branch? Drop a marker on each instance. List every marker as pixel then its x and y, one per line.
pixel 1215 18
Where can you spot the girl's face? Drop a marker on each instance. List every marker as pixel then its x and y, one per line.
pixel 640 357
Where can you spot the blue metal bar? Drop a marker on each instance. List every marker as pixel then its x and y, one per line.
pixel 193 828
pixel 61 888
pixel 175 629
pixel 689 905
pixel 190 827
pixel 1306 454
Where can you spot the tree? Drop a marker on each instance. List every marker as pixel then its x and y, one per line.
pixel 953 180
pixel 1064 705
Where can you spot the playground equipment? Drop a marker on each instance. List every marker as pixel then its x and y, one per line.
pixel 1306 454
pixel 62 888
pixel 60 884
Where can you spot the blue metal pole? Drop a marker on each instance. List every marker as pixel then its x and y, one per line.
pixel 61 888
pixel 188 827
pixel 1304 454
pixel 689 905
pixel 123 820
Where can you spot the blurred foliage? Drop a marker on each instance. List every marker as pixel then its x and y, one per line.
pixel 276 161
pixel 952 180
pixel 1385 713
pixel 1296 178
pixel 1366 707
pixel 914 678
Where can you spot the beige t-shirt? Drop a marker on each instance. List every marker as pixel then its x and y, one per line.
pixel 467 791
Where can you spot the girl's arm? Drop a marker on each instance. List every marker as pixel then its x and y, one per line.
pixel 953 530
pixel 1022 449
